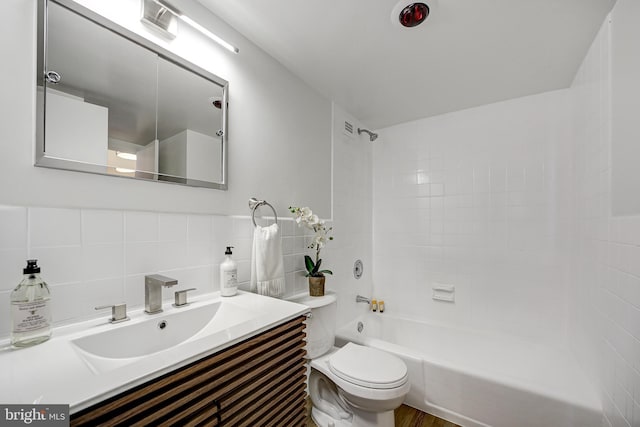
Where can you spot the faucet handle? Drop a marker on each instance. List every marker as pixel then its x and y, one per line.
pixel 181 297
pixel 118 312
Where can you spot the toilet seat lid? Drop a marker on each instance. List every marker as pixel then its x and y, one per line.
pixel 368 367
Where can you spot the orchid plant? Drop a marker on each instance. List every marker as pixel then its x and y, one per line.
pixel 305 217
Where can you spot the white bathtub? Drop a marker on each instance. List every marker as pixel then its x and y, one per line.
pixel 474 378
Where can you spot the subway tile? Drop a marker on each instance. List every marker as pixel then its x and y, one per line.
pixel 290 263
pixel 141 258
pixel 134 290
pixel 222 228
pixel 102 261
pixel 141 226
pixel 288 245
pixel 215 277
pixel 66 302
pixel 59 264
pixel 13 227
pixel 102 226
pixel 5 317
pixel 286 227
pixel 172 228
pixel 481 179
pixel 242 228
pixel 199 253
pixel 12 262
pixel 243 249
pixel 199 228
pixel 300 245
pixel 172 255
pixel 437 190
pixel 53 227
pixel 244 271
pixel 498 179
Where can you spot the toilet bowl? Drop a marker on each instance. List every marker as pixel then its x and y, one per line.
pixel 352 386
pixel 356 386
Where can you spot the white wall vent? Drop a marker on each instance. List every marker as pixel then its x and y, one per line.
pixel 348 129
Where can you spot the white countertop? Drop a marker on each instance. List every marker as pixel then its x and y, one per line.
pixel 55 372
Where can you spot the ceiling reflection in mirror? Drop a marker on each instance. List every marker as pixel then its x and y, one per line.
pixel 122 106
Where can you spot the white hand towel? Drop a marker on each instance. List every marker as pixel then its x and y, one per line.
pixel 267 265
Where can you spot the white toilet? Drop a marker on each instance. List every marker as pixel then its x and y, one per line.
pixel 352 386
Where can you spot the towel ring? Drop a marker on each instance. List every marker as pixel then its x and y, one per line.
pixel 254 204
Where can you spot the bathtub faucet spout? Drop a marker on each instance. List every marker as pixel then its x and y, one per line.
pixel 360 298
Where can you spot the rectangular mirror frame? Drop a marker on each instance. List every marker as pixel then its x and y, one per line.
pixel 42 160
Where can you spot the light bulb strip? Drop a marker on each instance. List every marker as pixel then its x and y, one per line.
pixel 198 27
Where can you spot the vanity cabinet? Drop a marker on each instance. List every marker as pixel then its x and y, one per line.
pixel 258 382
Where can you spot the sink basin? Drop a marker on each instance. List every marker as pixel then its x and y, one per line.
pixel 156 333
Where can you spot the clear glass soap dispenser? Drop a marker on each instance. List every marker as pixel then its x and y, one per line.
pixel 30 309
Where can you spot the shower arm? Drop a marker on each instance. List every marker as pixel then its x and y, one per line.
pixel 372 135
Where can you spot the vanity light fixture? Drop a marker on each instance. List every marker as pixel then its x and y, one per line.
pixel 127 156
pixel 165 7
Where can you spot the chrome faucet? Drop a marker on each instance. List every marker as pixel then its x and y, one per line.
pixel 360 298
pixel 153 291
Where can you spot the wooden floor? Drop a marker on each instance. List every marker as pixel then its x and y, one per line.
pixel 407 416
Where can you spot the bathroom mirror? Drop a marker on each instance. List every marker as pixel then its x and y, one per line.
pixel 113 103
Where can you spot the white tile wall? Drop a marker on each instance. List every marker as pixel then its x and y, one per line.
pixel 605 279
pixel 92 257
pixel 471 199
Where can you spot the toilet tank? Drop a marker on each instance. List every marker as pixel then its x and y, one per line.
pixel 321 326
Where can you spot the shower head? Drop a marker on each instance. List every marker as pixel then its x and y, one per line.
pixel 372 136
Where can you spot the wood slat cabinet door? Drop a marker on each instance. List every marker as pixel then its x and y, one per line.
pixel 258 382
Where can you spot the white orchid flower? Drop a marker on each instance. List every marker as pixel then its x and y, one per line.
pixel 304 216
pixel 305 213
pixel 313 220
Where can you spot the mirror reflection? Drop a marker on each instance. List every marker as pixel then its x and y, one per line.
pixel 110 104
pixel 189 119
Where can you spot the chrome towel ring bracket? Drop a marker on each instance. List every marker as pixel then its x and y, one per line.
pixel 254 204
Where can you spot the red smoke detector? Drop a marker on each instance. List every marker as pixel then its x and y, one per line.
pixel 413 14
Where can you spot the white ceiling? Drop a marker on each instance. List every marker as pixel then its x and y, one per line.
pixel 467 53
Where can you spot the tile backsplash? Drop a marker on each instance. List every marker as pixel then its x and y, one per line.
pixel 92 257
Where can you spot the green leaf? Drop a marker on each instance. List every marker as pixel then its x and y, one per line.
pixel 325 272
pixel 317 267
pixel 308 262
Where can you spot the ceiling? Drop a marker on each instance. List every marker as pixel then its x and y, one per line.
pixel 467 53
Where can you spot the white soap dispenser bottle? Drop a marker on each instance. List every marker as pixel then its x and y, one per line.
pixel 228 275
pixel 30 309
